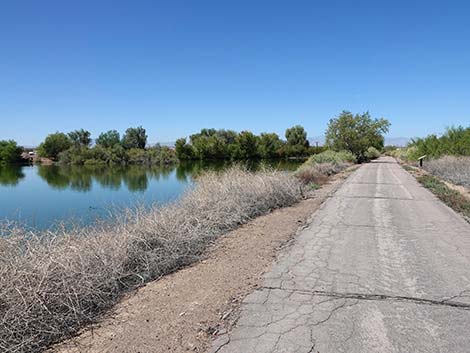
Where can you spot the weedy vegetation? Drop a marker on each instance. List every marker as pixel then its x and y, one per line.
pixel 372 153
pixel 330 156
pixel 320 166
pixel 450 197
pixel 54 283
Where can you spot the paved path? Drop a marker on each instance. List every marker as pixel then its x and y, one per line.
pixel 383 267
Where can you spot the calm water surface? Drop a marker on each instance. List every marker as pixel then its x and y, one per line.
pixel 42 196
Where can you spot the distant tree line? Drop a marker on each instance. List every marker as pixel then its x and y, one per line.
pixel 212 144
pixel 455 142
pixel 75 148
pixel 359 134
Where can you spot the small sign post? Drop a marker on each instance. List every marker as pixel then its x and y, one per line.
pixel 420 159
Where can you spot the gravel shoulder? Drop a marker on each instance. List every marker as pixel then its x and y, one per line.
pixel 186 310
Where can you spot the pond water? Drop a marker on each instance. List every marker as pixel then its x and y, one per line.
pixel 41 196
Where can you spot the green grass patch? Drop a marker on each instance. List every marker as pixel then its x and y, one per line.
pixel 330 156
pixel 450 197
pixel 314 186
pixel 408 168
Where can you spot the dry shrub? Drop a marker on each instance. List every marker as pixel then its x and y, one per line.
pixel 454 169
pixel 318 173
pixel 54 283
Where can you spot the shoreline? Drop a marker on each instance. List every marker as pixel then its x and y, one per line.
pixel 185 310
pixel 53 284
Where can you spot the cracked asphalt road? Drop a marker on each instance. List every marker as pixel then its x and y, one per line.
pixel 383 267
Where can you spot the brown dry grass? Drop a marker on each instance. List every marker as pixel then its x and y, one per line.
pixel 451 168
pixel 318 172
pixel 185 310
pixel 53 284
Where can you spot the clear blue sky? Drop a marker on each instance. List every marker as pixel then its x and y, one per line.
pixel 177 66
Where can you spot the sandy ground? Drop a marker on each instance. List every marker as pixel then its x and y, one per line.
pixel 184 311
pixel 462 189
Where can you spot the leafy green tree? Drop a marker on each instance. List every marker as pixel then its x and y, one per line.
pixel 208 132
pixel 135 137
pixel 216 147
pixel 208 145
pixel 54 144
pixel 161 155
pixel 297 143
pixel 117 155
pixel 247 144
pixel 356 133
pixel 80 138
pixel 98 155
pixel 297 136
pixel 184 151
pixel 228 136
pixel 137 156
pixel 10 152
pixel 269 145
pixel 108 139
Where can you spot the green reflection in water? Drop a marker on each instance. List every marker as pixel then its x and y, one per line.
pixel 10 175
pixel 135 178
pixel 43 195
pixel 81 178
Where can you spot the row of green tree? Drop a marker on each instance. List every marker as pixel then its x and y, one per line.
pixel 228 144
pixel 75 148
pixel 455 141
pixel 351 132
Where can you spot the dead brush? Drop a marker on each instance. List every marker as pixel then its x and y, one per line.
pixel 319 172
pixel 451 168
pixel 54 283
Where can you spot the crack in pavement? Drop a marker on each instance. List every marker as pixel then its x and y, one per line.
pixel 366 274
pixel 380 297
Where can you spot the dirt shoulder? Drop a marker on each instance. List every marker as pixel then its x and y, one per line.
pixel 455 196
pixel 184 311
pixel 419 172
